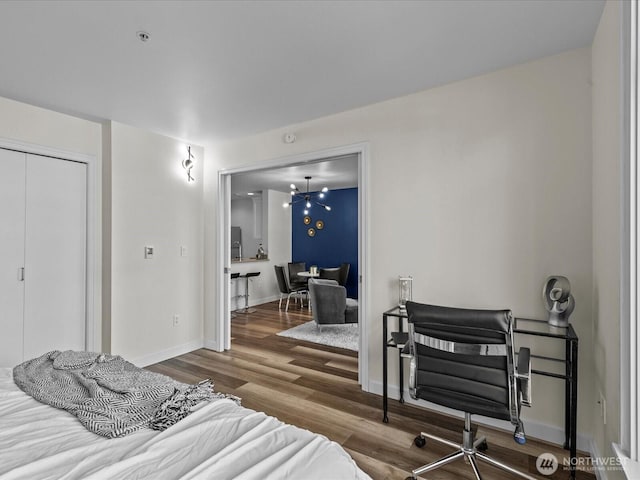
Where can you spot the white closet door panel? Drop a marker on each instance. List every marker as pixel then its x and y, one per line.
pixel 55 267
pixel 12 197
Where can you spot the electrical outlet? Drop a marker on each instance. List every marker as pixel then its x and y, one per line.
pixel 176 320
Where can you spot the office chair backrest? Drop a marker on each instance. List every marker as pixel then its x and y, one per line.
pixel 464 359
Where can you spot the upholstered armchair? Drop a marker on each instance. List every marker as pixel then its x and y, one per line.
pixel 329 303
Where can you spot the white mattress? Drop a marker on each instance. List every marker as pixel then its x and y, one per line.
pixel 218 441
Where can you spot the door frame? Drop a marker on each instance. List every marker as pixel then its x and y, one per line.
pixel 223 317
pixel 93 326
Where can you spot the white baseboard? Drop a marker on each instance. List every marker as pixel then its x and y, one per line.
pixel 631 468
pixel 542 431
pixel 237 304
pixel 599 472
pixel 157 357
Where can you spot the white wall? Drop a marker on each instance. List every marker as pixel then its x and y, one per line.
pixel 153 204
pixel 607 126
pixel 27 124
pixel 278 227
pixel 264 288
pixel 146 201
pixel 480 189
pixel 22 122
pixel 243 215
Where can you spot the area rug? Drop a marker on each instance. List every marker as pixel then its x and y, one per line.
pixel 341 336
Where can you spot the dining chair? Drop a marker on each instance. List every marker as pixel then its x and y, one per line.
pixel 296 280
pixel 286 289
pixel 344 273
pixel 330 274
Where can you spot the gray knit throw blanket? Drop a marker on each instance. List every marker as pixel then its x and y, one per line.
pixel 110 396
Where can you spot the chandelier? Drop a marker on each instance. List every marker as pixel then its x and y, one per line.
pixel 297 196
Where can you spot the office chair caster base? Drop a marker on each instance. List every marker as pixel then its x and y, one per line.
pixel 470 451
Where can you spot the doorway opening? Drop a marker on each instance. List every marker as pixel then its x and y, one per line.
pixel 298 165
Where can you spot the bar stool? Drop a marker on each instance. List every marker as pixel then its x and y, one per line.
pixel 246 277
pixel 234 276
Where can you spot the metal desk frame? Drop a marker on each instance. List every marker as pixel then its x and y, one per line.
pixel 570 376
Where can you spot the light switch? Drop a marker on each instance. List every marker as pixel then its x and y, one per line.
pixel 148 252
pixel 183 251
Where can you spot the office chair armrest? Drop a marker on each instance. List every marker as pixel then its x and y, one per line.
pixel 407 352
pixel 523 374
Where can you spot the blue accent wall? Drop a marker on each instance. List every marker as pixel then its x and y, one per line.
pixel 337 242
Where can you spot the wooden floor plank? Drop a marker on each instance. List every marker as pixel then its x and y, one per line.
pixel 351 366
pixel 315 387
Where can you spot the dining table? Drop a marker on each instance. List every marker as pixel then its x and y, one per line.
pixel 309 274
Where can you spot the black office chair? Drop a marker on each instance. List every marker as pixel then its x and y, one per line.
pixel 286 289
pixel 464 359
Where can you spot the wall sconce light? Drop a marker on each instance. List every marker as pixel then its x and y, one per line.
pixel 187 164
pixel 405 292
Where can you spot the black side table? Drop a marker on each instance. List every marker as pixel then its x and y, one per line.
pixel 541 328
pixel 396 340
pixel 395 336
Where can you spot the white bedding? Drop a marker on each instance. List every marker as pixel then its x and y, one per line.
pixel 218 441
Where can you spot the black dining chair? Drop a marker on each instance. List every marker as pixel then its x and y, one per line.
pixel 296 280
pixel 286 289
pixel 344 273
pixel 330 274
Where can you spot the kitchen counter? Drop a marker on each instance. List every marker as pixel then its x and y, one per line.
pixel 248 259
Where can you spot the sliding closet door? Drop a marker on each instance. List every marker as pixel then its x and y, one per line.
pixel 12 204
pixel 55 255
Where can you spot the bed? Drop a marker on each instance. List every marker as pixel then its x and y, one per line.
pixel 218 440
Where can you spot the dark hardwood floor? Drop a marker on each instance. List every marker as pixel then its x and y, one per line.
pixel 316 388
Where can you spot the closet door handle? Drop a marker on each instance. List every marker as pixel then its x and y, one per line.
pixel 21 274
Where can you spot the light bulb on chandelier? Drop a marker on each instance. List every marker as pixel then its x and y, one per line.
pixel 307 197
